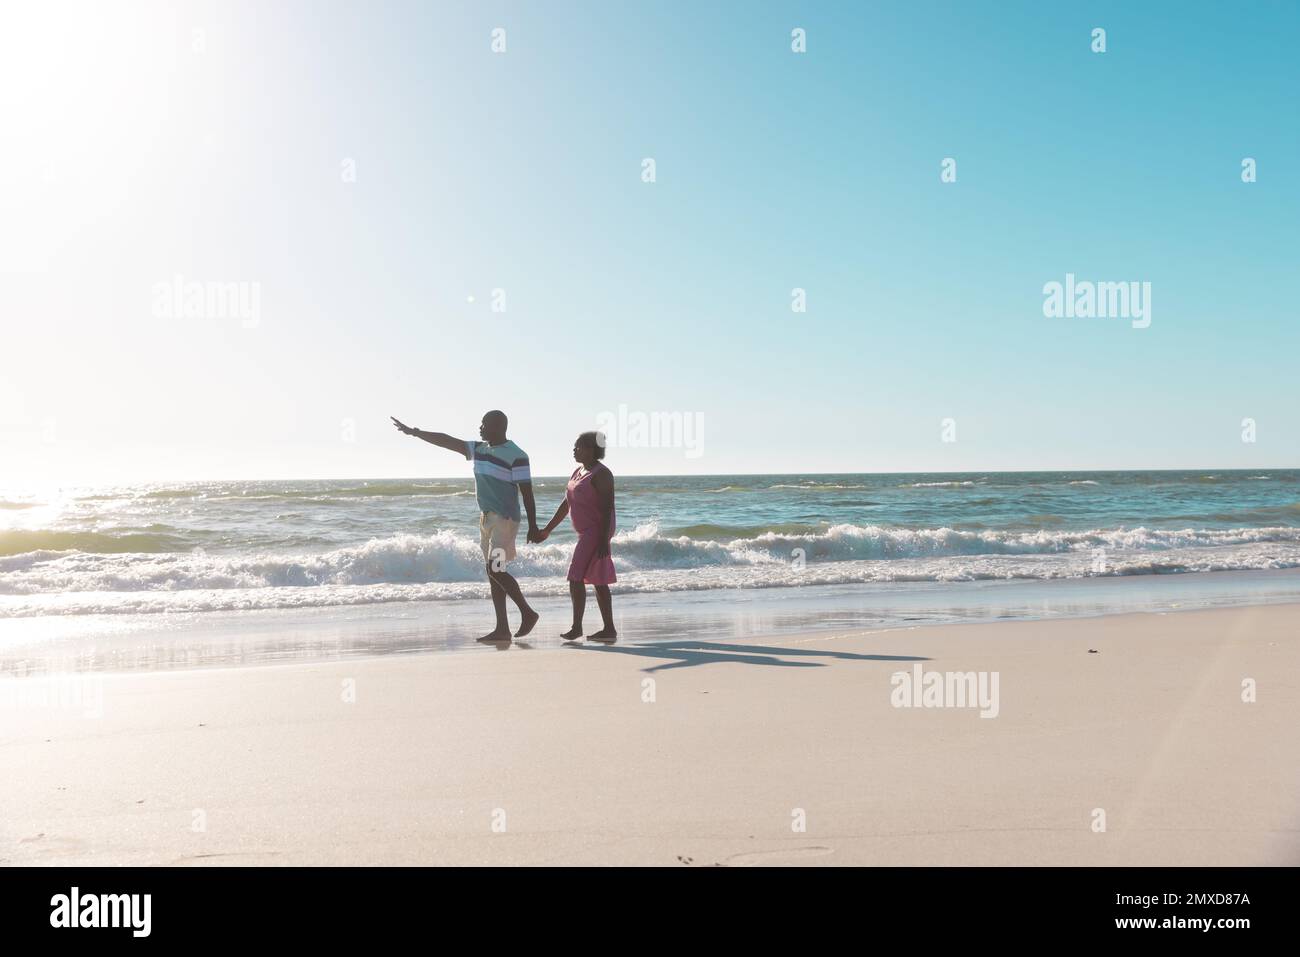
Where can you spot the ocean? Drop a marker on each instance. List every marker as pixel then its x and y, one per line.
pixel 179 551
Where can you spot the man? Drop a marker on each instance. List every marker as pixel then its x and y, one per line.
pixel 500 476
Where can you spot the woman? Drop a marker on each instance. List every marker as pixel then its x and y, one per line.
pixel 589 500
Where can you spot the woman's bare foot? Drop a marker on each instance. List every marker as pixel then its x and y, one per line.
pixel 501 634
pixel 530 619
pixel 605 634
pixel 573 633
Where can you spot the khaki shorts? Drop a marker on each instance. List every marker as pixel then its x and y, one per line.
pixel 497 536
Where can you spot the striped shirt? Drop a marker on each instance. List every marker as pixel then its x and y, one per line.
pixel 498 470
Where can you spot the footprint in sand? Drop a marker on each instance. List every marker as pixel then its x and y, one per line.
pixel 232 857
pixel 788 855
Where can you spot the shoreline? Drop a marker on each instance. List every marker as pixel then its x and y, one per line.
pixel 559 757
pixel 261 637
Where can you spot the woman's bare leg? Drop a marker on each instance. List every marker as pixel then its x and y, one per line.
pixel 578 595
pixel 606 603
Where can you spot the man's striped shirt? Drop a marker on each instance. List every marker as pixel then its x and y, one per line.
pixel 498 470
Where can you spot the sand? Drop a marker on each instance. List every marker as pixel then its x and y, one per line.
pixel 788 751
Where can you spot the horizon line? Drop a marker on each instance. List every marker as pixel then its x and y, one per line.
pixel 469 476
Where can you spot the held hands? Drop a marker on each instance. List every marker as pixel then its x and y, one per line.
pixel 403 428
pixel 538 535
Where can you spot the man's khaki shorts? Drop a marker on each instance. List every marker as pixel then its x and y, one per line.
pixel 497 536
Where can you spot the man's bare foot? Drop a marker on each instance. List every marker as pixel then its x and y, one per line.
pixel 573 633
pixel 502 633
pixel 605 634
pixel 530 619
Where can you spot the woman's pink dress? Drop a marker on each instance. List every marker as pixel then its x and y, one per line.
pixel 584 512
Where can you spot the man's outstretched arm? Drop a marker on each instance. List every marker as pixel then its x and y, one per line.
pixel 440 439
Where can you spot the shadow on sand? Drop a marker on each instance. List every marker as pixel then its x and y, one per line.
pixel 684 654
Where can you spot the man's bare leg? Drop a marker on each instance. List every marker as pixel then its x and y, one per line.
pixel 506 581
pixel 502 630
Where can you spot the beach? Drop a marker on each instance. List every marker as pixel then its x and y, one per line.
pixel 1119 739
pixel 892 668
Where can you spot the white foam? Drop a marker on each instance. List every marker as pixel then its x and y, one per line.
pixel 449 565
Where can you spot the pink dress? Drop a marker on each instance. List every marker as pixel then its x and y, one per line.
pixel 584 512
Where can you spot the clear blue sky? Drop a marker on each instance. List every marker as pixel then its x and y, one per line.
pixel 137 149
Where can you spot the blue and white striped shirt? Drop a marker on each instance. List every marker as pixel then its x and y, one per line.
pixel 498 470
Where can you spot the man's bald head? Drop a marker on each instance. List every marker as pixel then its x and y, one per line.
pixel 493 427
